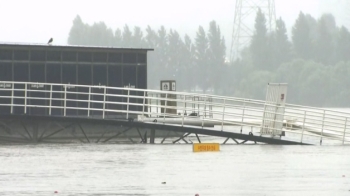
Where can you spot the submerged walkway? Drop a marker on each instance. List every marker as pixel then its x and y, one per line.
pixel 46 112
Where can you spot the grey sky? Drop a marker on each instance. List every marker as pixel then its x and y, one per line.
pixel 36 21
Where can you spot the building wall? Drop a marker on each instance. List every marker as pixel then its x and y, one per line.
pixel 72 65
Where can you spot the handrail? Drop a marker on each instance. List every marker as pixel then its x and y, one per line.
pixel 94 101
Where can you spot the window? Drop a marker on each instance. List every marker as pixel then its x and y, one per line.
pixel 69 56
pixel 100 57
pixel 5 54
pixel 129 58
pixel 21 55
pixel 142 58
pixel 53 55
pixel 115 58
pixel 85 57
pixel 37 55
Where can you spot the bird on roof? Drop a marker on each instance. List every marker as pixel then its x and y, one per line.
pixel 50 41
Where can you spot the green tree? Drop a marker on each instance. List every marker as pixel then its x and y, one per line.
pixel 137 38
pixel 343 45
pixel 281 45
pixel 301 38
pixel 118 38
pixel 216 55
pixel 201 57
pixel 260 44
pixel 100 35
pixel 324 43
pixel 174 54
pixel 78 32
pixel 127 37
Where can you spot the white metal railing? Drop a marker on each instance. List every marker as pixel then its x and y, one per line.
pixel 300 123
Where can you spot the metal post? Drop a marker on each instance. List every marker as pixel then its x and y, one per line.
pixel 183 111
pixel 302 131
pixel 223 116
pixel 104 103
pixel 243 112
pixel 345 126
pixel 89 101
pixel 65 100
pixel 165 105
pixel 127 106
pixel 50 107
pixel 25 98
pixel 324 113
pixel 143 105
pixel 12 94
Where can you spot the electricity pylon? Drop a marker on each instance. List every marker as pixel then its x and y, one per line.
pixel 244 20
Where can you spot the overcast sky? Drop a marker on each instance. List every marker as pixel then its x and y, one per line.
pixel 35 21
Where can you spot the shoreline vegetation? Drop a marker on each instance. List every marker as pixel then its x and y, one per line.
pixel 314 60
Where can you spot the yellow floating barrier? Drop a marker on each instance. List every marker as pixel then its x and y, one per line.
pixel 206 147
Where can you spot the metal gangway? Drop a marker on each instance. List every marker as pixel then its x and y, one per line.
pixel 264 118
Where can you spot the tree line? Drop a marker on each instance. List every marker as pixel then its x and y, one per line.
pixel 314 61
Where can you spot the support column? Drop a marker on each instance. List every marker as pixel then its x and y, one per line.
pixel 152 136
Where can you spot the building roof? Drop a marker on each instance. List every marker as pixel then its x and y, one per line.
pixel 68 47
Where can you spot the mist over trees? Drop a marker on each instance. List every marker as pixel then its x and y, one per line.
pixel 314 60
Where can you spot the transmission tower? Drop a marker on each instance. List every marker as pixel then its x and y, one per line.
pixel 244 20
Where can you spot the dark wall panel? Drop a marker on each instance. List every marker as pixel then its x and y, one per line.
pixel 84 78
pixel 37 74
pixel 99 79
pixel 5 54
pixel 53 75
pixel 69 76
pixel 5 75
pixel 115 79
pixel 129 79
pixel 21 73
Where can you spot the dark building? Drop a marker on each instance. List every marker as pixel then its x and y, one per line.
pixel 105 66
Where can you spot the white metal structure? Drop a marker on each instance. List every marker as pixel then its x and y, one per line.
pixel 244 19
pixel 300 123
pixel 274 109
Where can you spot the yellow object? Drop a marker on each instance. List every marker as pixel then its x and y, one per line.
pixel 206 147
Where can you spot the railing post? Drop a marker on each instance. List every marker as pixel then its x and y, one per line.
pixel 12 95
pixel 89 102
pixel 50 107
pixel 303 128
pixel 243 112
pixel 127 106
pixel 143 106
pixel 104 103
pixel 183 110
pixel 223 116
pixel 345 126
pixel 324 113
pixel 165 105
pixel 65 100
pixel 25 99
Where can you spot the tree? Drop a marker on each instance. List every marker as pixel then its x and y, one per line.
pixel 100 35
pixel 137 38
pixel 281 45
pixel 301 38
pixel 189 67
pixel 216 55
pixel 259 44
pixel 201 57
pixel 118 38
pixel 174 54
pixel 343 45
pixel 127 37
pixel 324 43
pixel 78 32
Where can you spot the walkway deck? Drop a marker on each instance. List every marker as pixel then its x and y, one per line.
pixel 238 119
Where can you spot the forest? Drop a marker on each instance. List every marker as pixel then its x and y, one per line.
pixel 314 58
